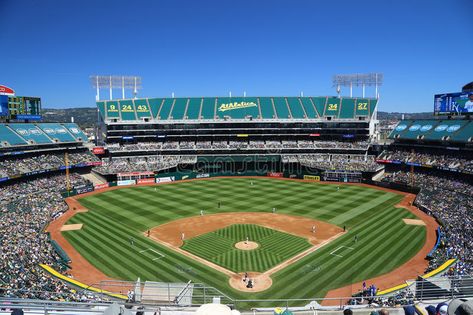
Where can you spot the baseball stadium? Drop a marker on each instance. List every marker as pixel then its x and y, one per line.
pixel 236 158
pixel 252 202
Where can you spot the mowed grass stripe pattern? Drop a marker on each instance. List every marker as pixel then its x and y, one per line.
pixel 218 247
pixel 385 242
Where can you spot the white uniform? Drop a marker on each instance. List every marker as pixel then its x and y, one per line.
pixel 469 106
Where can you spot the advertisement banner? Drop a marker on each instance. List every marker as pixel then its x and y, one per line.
pixel 125 182
pixel 204 175
pixel 96 163
pixel 145 181
pixel 383 161
pixel 28 117
pixel 101 186
pixel 274 174
pixel 165 179
pixel 312 177
pixel 82 189
pixel 98 150
pixel 135 174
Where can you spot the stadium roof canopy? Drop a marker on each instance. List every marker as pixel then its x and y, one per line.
pixel 460 131
pixel 20 134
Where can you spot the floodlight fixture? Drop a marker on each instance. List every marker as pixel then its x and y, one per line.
pixel 358 79
pixel 115 82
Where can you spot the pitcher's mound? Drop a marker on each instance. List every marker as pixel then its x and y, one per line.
pixel 246 245
pixel 260 282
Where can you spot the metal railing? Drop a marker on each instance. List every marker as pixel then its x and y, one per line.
pixel 156 296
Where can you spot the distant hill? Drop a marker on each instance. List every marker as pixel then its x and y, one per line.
pixel 86 117
pixel 398 116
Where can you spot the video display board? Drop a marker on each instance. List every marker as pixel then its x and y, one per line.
pixel 460 103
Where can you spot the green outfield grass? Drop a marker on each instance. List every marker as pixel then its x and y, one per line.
pixel 384 241
pixel 219 247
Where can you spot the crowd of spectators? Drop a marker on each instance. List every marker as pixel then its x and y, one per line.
pixel 451 202
pixel 25 210
pixel 463 164
pixel 345 162
pixel 143 163
pixel 11 166
pixel 230 145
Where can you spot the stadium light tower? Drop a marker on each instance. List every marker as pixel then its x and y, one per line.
pixel 358 79
pixel 115 81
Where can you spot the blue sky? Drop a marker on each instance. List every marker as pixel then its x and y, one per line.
pixel 263 47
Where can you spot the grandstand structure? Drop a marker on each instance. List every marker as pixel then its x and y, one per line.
pixel 234 126
pixel 452 131
pixel 14 135
pixel 442 145
pixel 29 149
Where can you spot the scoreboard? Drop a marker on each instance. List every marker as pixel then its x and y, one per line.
pixel 24 108
pixel 460 103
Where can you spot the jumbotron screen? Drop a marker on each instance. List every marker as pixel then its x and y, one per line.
pixel 3 105
pixel 460 103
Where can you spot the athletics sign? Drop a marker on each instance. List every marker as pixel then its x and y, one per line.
pixel 235 105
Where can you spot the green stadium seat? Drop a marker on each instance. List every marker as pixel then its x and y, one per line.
pixel 208 108
pixel 112 110
pixel 347 108
pixel 127 110
pixel 155 105
pixel 101 107
pixel 31 133
pixel 179 108
pixel 296 108
pixel 464 134
pixel 445 129
pixel 309 108
pixel 433 130
pixel 333 107
pixel 57 132
pixel 363 108
pixel 267 110
pixel 319 103
pixel 165 109
pixel 193 109
pixel 373 103
pixel 142 108
pixel 400 129
pixel 74 130
pixel 9 136
pixel 281 108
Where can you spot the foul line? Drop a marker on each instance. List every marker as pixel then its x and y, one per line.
pixel 332 253
pixel 154 251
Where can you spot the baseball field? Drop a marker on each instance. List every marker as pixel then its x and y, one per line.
pixel 368 236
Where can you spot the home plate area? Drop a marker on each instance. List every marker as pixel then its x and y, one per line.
pixel 341 251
